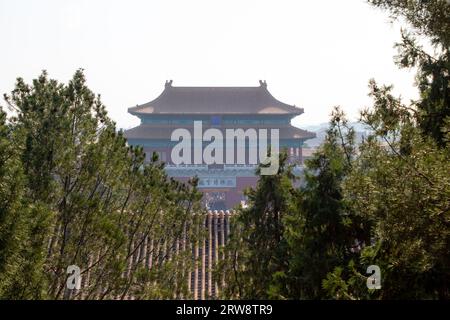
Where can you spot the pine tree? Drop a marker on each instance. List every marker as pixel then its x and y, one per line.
pixel 429 20
pixel 400 182
pixel 22 225
pixel 92 201
pixel 257 251
pixel 324 232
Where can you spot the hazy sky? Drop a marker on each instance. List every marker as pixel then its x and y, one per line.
pixel 314 54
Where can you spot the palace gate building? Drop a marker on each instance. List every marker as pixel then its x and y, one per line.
pixel 221 108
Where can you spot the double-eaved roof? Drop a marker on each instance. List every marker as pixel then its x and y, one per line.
pixel 215 100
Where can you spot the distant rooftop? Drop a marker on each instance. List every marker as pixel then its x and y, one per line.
pixel 215 100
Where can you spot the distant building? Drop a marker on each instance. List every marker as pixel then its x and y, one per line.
pixel 222 108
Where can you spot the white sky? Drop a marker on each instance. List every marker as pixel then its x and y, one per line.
pixel 314 54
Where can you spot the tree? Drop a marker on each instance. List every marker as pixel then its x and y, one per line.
pixel 18 278
pixel 324 232
pixel 429 19
pixel 257 251
pixel 400 182
pixel 385 202
pixel 93 201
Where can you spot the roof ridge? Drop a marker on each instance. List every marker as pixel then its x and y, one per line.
pixel 208 100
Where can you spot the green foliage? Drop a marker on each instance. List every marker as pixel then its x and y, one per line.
pixel 73 192
pixel 385 202
pixel 428 18
pixel 407 197
pixel 76 194
pixel 257 251
pixel 432 20
pixel 400 179
pixel 324 232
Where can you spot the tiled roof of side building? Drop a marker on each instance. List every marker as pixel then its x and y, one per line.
pixel 215 100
